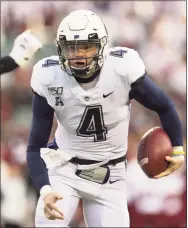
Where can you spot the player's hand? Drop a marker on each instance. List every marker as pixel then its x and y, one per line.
pixel 50 209
pixel 175 162
pixel 25 46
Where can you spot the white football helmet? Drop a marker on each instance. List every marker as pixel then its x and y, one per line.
pixel 80 31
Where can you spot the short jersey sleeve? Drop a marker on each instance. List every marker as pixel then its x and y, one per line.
pixel 42 78
pixel 127 63
pixel 136 67
pixel 36 80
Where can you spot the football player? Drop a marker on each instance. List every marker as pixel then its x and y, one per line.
pixel 89 87
pixel 25 46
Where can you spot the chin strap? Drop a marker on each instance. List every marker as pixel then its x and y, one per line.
pixel 86 80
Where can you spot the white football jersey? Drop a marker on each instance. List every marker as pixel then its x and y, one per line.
pixel 92 124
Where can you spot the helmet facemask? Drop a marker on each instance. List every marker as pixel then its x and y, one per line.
pixel 81 58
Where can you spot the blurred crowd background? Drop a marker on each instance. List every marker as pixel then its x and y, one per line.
pixel 157 30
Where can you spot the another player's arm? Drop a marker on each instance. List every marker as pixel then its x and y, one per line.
pixel 7 64
pixel 147 93
pixel 25 46
pixel 39 135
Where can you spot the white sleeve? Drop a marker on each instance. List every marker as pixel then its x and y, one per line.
pixel 127 63
pixel 136 67
pixel 36 82
pixel 40 80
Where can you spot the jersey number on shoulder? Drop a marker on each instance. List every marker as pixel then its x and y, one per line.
pixel 92 124
pixel 118 53
pixel 50 62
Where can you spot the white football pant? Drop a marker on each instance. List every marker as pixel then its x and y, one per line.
pixel 104 205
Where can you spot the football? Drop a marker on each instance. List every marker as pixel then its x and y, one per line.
pixel 154 146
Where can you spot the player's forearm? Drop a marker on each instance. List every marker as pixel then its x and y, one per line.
pixel 152 97
pixel 172 125
pixel 39 134
pixel 37 169
pixel 7 64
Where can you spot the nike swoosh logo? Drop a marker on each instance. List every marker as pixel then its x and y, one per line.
pixel 92 35
pixel 111 182
pixel 106 95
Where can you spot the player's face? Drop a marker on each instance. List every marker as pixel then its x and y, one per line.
pixel 80 52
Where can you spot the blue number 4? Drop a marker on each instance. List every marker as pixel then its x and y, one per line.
pixel 118 53
pixel 50 62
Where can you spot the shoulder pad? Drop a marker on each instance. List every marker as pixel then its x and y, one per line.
pixel 47 62
pixel 127 62
pixel 44 69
